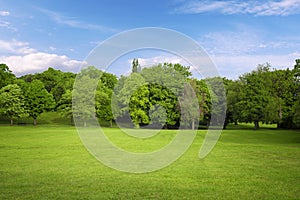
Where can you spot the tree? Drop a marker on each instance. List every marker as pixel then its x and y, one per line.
pixel 135 66
pixel 122 95
pixel 64 106
pixel 103 97
pixel 204 100
pixel 65 82
pixel 256 100
pixel 103 105
pixel 83 98
pixel 296 113
pixel 233 99
pixel 296 92
pixel 12 103
pixel 6 76
pixel 38 100
pixel 139 106
pixel 282 97
pixel 49 78
pixel 189 107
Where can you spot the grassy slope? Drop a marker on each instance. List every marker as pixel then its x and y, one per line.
pixel 51 163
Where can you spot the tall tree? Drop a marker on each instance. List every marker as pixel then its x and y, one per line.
pixel 103 105
pixel 233 98
pixel 122 94
pixel 256 100
pixel 281 88
pixel 38 100
pixel 135 66
pixel 296 92
pixel 6 76
pixel 189 107
pixel 64 106
pixel 12 103
pixel 83 98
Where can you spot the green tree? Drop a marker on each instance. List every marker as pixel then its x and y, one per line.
pixel 56 82
pixel 103 105
pixel 83 98
pixel 296 94
pixel 122 94
pixel 38 99
pixel 282 97
pixel 49 78
pixel 256 100
pixel 65 82
pixel 189 107
pixel 233 99
pixel 64 106
pixel 204 100
pixel 135 66
pixel 296 113
pixel 218 105
pixel 139 106
pixel 6 76
pixel 103 97
pixel 12 102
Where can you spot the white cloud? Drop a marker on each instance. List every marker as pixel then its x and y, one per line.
pixel 23 59
pixel 15 47
pixel 229 42
pixel 4 13
pixel 37 62
pixel 148 62
pixel 236 53
pixel 234 66
pixel 259 8
pixel 74 23
pixel 52 48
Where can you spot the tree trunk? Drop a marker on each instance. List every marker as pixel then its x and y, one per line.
pixel 34 122
pixel 111 123
pixel 280 112
pixel 71 120
pixel 11 122
pixel 84 123
pixel 256 125
pixel 193 124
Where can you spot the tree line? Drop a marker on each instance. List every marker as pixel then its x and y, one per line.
pixel 165 95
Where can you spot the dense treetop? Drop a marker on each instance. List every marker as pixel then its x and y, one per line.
pixel 157 96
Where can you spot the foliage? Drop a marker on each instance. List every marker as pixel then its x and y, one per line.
pixel 12 103
pixel 64 106
pixel 6 75
pixel 155 96
pixel 38 99
pixel 136 67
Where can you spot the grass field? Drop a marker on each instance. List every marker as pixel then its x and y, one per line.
pixel 51 163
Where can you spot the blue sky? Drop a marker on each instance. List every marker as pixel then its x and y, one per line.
pixel 238 35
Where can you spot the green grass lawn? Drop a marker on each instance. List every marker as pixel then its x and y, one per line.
pixel 51 163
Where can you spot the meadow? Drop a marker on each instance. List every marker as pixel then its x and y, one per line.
pixel 50 162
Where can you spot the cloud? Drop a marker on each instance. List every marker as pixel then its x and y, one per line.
pixel 15 47
pixel 236 53
pixel 72 22
pixel 255 7
pixel 247 42
pixel 22 59
pixel 4 13
pixel 148 62
pixel 234 66
pixel 229 42
pixel 39 61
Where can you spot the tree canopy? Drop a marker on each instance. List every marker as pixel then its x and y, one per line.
pixel 163 95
